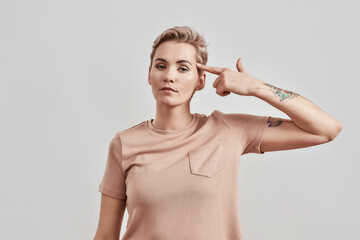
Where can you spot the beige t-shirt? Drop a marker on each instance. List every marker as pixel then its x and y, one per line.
pixel 182 184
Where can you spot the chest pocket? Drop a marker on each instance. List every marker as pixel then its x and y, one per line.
pixel 206 160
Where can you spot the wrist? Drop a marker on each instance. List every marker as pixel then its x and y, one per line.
pixel 255 87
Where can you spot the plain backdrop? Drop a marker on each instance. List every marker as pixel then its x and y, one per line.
pixel 73 73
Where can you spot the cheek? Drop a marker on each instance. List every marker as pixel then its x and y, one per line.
pixel 155 76
pixel 190 83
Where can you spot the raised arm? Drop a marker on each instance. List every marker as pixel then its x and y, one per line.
pixel 308 126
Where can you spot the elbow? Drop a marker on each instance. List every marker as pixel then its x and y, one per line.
pixel 335 131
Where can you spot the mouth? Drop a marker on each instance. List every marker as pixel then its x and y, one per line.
pixel 167 88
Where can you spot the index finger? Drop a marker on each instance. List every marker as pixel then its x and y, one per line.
pixel 215 70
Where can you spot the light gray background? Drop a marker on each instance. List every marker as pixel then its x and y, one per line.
pixel 73 73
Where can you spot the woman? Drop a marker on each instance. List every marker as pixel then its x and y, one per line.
pixel 177 173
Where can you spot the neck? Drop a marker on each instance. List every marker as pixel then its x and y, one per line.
pixel 172 122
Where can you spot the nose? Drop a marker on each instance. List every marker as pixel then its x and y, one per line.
pixel 169 76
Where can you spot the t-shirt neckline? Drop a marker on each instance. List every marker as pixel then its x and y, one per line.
pixel 176 131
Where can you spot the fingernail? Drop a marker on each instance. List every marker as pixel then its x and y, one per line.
pixel 240 59
pixel 198 64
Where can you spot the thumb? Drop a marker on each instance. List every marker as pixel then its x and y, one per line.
pixel 240 67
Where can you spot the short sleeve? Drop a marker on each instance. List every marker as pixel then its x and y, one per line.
pixel 113 181
pixel 248 128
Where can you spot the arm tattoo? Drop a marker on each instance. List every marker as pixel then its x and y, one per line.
pixel 274 122
pixel 282 93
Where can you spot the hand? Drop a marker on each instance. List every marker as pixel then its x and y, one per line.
pixel 238 82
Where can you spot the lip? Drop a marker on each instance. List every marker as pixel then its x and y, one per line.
pixel 168 88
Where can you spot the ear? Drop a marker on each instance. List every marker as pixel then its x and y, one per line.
pixel 149 76
pixel 201 82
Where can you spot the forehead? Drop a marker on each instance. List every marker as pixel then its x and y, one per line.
pixel 172 51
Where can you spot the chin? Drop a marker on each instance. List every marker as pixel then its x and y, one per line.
pixel 169 101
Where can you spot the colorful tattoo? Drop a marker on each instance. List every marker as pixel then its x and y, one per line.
pixel 274 122
pixel 282 93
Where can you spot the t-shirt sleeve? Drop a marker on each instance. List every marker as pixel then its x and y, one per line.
pixel 249 129
pixel 113 181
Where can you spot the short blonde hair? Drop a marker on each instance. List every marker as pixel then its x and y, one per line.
pixel 184 34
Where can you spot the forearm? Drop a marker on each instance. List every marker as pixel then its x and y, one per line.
pixel 302 112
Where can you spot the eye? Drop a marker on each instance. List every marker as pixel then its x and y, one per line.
pixel 159 66
pixel 184 69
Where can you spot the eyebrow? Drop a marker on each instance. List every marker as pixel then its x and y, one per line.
pixel 180 61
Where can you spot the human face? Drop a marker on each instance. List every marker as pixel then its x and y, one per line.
pixel 174 66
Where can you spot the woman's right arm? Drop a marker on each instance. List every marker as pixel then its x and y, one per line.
pixel 111 216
